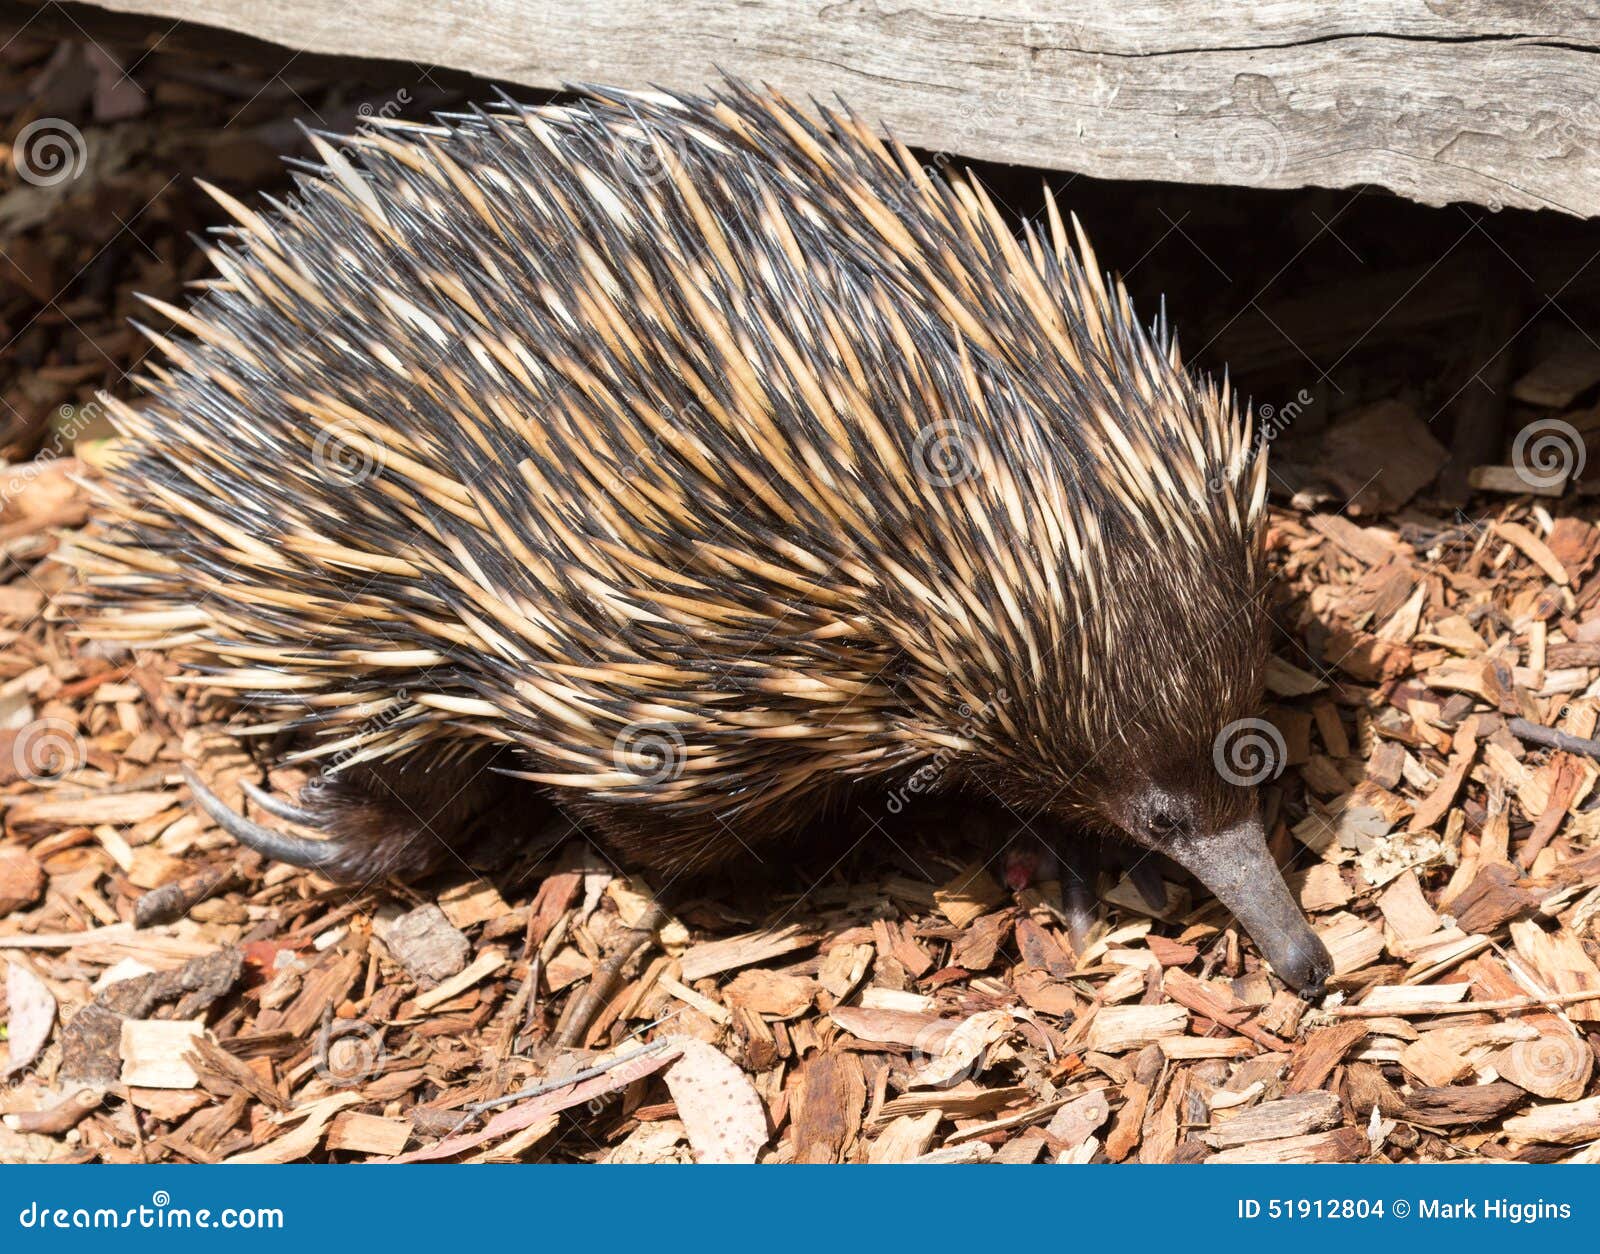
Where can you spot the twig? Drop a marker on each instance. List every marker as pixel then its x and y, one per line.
pixel 577 1077
pixel 170 902
pixel 62 1117
pixel 1465 1007
pixel 1550 738
pixel 533 1004
pixel 583 1010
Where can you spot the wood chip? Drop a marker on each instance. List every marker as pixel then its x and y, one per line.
pixel 1561 1123
pixel 1352 943
pixel 472 903
pixel 427 945
pixel 21 880
pixel 311 1121
pixel 483 966
pixel 1276 1120
pixel 774 993
pixel 1077 1121
pixel 1119 1028
pixel 1342 1145
pixel 1535 548
pixel 715 957
pixel 1558 378
pixel 970 895
pixel 153 1053
pixel 905 1139
pixel 1452 1106
pixel 1559 963
pixel 368 1134
pixel 827 1097
pixel 1323 1051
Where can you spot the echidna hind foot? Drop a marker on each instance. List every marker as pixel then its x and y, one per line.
pixel 407 819
pixel 372 823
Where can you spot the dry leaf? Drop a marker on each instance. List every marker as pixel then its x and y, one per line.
pixel 33 1012
pixel 718 1105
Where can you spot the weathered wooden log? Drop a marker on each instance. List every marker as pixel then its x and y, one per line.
pixel 1482 101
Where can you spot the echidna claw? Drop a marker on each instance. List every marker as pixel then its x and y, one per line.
pixel 277 806
pixel 280 846
pixel 1082 859
pixel 1081 911
pixel 1145 875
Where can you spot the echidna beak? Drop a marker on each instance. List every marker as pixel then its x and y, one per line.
pixel 279 846
pixel 1235 865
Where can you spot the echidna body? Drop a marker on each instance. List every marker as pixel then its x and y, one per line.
pixel 704 462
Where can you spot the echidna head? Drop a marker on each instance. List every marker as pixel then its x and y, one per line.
pixel 1229 856
pixel 1182 781
pixel 1187 747
pixel 1149 723
pixel 1180 744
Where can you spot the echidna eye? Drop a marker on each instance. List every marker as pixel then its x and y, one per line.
pixel 1166 823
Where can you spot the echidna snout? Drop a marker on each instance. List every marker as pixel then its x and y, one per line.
pixel 1235 865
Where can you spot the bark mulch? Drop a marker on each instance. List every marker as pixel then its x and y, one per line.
pixel 1427 762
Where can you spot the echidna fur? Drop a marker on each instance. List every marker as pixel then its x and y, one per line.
pixel 700 427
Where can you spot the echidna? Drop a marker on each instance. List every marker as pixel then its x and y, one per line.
pixel 706 463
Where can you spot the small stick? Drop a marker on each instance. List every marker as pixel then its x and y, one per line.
pixel 1550 738
pixel 584 1009
pixel 323 922
pixel 83 687
pixel 534 1005
pixel 170 902
pixel 1464 1007
pixel 63 1116
pixel 577 1077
